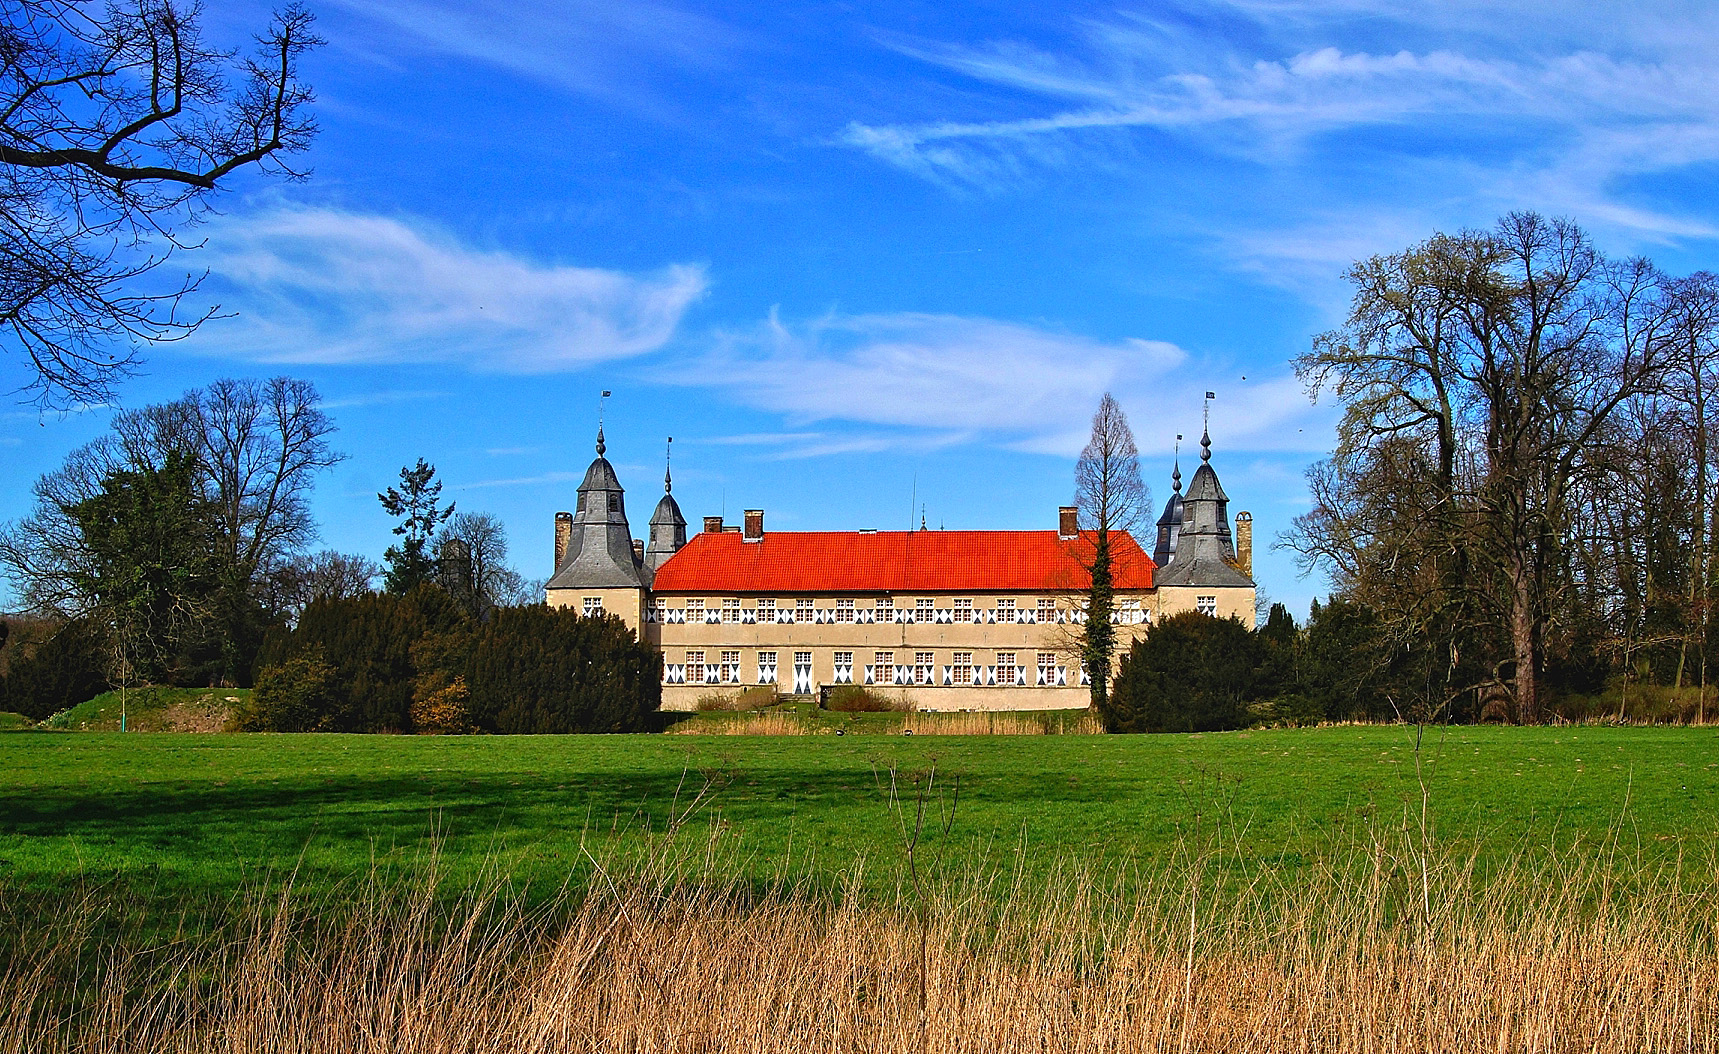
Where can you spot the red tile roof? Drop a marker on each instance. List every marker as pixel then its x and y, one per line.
pixel 893 562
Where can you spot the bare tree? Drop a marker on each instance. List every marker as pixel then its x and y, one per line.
pixel 325 575
pixel 1483 375
pixel 471 558
pixel 1110 497
pixel 117 123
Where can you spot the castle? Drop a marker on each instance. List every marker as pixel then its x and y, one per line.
pixel 956 620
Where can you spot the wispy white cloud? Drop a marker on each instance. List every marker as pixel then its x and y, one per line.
pixel 921 380
pixel 385 397
pixel 321 285
pixel 1555 124
pixel 595 47
pixel 522 481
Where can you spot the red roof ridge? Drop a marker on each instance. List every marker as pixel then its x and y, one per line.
pixel 979 561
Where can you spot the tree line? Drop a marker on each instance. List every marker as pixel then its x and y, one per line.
pixel 178 550
pixel 1521 496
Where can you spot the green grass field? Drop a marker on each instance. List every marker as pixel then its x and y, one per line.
pixel 180 815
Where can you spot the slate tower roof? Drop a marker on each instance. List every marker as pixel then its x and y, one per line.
pixel 1170 524
pixel 600 550
pixel 668 529
pixel 1205 552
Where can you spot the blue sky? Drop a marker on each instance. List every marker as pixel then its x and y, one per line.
pixel 854 258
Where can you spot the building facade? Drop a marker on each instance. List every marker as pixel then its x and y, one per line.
pixel 953 620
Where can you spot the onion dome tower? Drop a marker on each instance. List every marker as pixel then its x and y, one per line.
pixel 599 547
pixel 668 526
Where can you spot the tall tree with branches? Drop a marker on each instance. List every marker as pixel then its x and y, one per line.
pixel 1110 498
pixel 1483 375
pixel 118 121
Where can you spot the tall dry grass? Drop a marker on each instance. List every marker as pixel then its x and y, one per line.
pixel 1384 950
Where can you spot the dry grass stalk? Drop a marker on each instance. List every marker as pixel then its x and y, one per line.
pixel 1548 958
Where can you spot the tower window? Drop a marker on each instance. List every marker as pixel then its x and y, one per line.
pixel 614 503
pixel 1207 605
pixel 593 606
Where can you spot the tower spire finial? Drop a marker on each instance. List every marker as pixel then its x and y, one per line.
pixel 668 464
pixel 601 446
pixel 1206 436
pixel 1176 472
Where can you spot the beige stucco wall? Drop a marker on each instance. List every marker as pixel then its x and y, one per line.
pixel 627 603
pixel 1231 602
pixel 984 640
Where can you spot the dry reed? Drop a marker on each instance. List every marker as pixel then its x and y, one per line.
pixel 1361 956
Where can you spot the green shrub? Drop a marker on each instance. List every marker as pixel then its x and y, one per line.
pixel 1292 710
pixel 302 694
pixel 1192 673
pixel 62 669
pixel 550 670
pixel 370 642
pixel 757 697
pixel 858 699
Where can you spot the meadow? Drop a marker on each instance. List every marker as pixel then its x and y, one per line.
pixel 1543 889
pixel 185 815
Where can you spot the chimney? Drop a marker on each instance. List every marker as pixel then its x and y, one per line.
pixel 563 535
pixel 1067 522
pixel 754 526
pixel 638 551
pixel 713 525
pixel 1244 542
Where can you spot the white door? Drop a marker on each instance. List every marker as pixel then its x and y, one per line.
pixel 802 672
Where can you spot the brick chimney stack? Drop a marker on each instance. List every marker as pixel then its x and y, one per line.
pixel 713 525
pixel 1067 522
pixel 1244 542
pixel 754 526
pixel 563 535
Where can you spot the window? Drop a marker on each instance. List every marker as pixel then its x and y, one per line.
pixel 845 611
pixel 844 663
pixel 1006 610
pixel 614 503
pixel 886 609
pixel 662 610
pixel 766 610
pixel 802 658
pixel 1047 609
pixel 766 667
pixel 1047 668
pixel 1005 667
pixel 593 606
pixel 803 610
pixel 695 612
pixel 925 610
pixel 961 669
pixel 731 609
pixel 1206 605
pixel 883 667
pixel 730 668
pixel 923 665
pixel 964 610
pixel 695 667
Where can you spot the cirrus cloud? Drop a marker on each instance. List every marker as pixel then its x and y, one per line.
pixel 330 286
